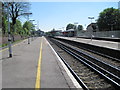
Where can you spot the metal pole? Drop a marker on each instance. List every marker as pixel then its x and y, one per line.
pixel 76 30
pixel 91 18
pixel 91 24
pixel 75 23
pixel 91 37
pixel 28 39
pixel 28 33
pixel 9 35
pixel 32 31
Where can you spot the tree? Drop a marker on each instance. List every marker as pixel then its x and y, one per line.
pixel 0 16
pixel 18 27
pixel 4 25
pixel 109 19
pixel 80 27
pixel 28 27
pixel 70 26
pixel 16 9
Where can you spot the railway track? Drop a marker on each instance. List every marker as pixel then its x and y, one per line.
pixel 103 57
pixel 91 72
pixel 101 51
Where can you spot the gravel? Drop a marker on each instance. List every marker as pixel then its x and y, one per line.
pixel 88 76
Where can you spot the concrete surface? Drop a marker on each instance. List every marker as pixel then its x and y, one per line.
pixel 20 70
pixel 102 43
pixel 52 73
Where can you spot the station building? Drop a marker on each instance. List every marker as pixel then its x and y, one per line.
pixel 92 30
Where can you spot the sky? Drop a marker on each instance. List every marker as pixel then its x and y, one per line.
pixel 49 15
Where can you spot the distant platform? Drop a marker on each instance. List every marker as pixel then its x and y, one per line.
pixel 103 38
pixel 103 43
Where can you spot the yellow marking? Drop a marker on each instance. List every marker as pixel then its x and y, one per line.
pixel 37 84
pixel 3 50
pixel 12 46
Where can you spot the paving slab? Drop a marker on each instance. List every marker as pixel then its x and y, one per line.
pixel 20 71
pixel 52 73
pixel 102 43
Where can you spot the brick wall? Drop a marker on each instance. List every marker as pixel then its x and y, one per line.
pixel 4 39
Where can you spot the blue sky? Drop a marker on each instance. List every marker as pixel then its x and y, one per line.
pixel 58 14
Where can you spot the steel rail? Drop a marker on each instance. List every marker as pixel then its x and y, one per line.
pixel 83 85
pixel 94 58
pixel 74 74
pixel 94 66
pixel 115 59
pixel 76 43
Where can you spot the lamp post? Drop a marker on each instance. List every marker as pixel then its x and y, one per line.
pixel 111 26
pixel 75 23
pixel 91 24
pixel 91 18
pixel 35 26
pixel 9 33
pixel 119 6
pixel 63 28
pixel 32 33
pixel 31 20
pixel 28 20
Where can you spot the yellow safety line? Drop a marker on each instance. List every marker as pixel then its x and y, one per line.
pixel 12 46
pixel 37 84
pixel 3 49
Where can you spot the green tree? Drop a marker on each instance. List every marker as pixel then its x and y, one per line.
pixel 4 25
pixel 109 19
pixel 16 9
pixel 18 27
pixel 80 27
pixel 70 26
pixel 28 27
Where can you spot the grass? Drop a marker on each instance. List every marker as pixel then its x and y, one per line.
pixel 3 45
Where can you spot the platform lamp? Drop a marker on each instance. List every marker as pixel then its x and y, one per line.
pixel 91 24
pixel 119 6
pixel 91 18
pixel 75 23
pixel 32 28
pixel 27 20
pixel 63 28
pixel 9 32
pixel 32 22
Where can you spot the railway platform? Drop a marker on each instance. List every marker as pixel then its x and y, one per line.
pixel 101 43
pixel 35 65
